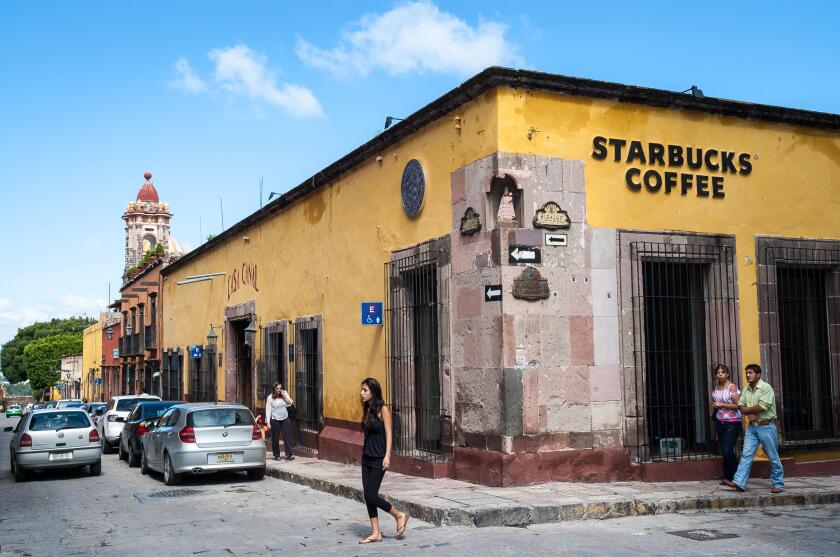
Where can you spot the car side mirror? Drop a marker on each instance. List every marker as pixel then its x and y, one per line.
pixel 8 429
pixel 120 419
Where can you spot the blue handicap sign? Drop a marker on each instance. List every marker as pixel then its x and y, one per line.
pixel 195 351
pixel 372 313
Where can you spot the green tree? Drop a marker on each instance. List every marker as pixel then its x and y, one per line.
pixel 11 354
pixel 42 358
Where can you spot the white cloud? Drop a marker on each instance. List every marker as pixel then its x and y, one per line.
pixel 187 81
pixel 74 303
pixel 242 72
pixel 14 316
pixel 415 37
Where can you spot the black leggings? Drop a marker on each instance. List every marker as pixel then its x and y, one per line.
pixel 372 474
pixel 284 427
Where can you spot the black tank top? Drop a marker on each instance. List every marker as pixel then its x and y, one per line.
pixel 374 439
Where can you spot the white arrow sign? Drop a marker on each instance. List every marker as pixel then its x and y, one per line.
pixel 492 292
pixel 523 255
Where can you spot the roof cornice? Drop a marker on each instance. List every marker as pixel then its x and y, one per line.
pixel 496 77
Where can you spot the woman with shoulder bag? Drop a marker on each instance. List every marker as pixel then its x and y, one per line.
pixel 376 458
pixel 277 411
pixel 727 418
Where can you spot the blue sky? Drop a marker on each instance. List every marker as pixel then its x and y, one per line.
pixel 210 96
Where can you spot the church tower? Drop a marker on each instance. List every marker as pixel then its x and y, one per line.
pixel 147 226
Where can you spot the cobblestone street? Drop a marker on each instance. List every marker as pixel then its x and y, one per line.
pixel 70 513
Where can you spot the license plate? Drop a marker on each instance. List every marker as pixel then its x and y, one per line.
pixel 61 456
pixel 222 458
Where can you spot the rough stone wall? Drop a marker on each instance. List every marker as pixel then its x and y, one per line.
pixel 546 372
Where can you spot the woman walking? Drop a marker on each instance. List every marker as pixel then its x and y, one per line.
pixel 277 411
pixel 376 458
pixel 725 397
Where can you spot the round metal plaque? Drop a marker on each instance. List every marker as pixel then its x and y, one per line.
pixel 413 188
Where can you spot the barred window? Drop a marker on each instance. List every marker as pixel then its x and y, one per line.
pixel 799 307
pixel 684 320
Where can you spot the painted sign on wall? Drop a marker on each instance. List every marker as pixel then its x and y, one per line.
pixel 683 160
pixel 245 275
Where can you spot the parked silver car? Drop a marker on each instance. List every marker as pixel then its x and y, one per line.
pixel 54 438
pixel 203 438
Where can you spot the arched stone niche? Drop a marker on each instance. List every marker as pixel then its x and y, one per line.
pixel 494 191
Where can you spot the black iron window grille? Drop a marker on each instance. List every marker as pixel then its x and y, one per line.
pixel 207 390
pixel 272 367
pixel 147 377
pixel 685 320
pixel 126 380
pixel 193 372
pixel 305 334
pixel 154 387
pixel 172 378
pixel 413 356
pixel 141 329
pixel 799 297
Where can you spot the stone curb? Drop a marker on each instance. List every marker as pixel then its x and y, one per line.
pixel 523 515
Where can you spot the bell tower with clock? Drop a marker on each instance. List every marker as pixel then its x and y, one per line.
pixel 147 223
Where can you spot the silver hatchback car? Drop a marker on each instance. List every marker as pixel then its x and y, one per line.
pixel 204 438
pixel 54 438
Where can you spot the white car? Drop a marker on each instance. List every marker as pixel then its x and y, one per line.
pixel 118 407
pixel 69 403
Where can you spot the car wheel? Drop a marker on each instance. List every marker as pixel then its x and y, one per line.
pixel 169 475
pixel 144 466
pixel 256 474
pixel 96 468
pixel 20 474
pixel 132 458
pixel 122 453
pixel 106 446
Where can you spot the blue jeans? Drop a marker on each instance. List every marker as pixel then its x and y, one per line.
pixel 727 434
pixel 766 436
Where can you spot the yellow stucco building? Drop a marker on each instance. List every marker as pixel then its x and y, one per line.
pixel 560 263
pixel 92 362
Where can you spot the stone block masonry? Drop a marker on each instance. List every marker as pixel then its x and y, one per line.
pixel 533 377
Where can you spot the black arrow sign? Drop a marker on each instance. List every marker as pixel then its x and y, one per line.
pixel 524 254
pixel 492 292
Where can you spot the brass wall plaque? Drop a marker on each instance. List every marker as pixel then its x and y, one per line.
pixel 530 285
pixel 470 222
pixel 552 217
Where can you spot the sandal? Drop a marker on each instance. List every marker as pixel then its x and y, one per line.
pixel 401 527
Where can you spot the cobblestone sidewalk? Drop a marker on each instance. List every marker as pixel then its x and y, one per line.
pixel 447 502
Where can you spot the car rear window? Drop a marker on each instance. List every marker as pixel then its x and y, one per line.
pixel 74 404
pixel 126 404
pixel 156 409
pixel 51 421
pixel 219 417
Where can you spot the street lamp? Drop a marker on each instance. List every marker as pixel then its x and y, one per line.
pixel 212 338
pixel 251 333
pixel 109 333
pixel 128 328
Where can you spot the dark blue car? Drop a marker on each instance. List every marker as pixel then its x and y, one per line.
pixel 139 421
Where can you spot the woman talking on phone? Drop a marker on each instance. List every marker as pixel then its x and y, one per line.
pixel 376 457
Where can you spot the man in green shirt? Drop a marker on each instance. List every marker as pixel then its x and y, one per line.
pixel 758 403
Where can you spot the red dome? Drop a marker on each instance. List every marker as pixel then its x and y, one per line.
pixel 147 191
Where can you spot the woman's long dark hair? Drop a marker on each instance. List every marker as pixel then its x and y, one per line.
pixel 374 405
